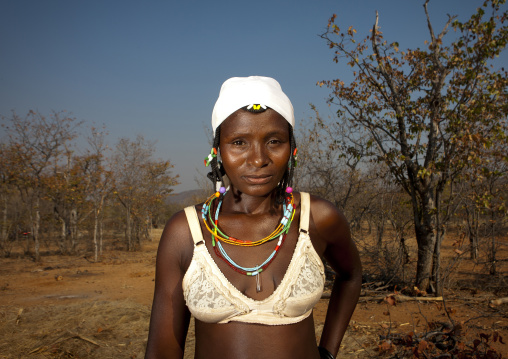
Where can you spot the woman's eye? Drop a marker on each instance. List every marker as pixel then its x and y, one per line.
pixel 238 143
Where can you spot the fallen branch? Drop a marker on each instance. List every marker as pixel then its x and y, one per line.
pixel 87 340
pixel 58 341
pixel 399 298
pixel 405 298
pixel 381 288
pixel 18 317
pixel 499 301
pixel 373 284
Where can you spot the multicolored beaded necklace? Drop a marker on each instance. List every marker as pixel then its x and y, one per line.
pixel 287 217
pixel 217 236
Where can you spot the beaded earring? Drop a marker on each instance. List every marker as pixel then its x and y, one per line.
pixel 291 164
pixel 211 156
pixel 219 188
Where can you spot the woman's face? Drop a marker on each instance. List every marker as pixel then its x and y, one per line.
pixel 255 150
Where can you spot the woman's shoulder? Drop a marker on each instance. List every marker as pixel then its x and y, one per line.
pixel 176 225
pixel 322 209
pixel 179 223
pixel 176 239
pixel 326 220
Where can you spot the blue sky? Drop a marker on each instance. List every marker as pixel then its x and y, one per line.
pixel 155 67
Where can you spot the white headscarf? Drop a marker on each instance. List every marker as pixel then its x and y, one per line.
pixel 238 92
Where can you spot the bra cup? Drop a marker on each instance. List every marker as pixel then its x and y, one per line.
pixel 205 302
pixel 299 306
pixel 308 287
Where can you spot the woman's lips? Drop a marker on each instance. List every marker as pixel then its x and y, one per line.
pixel 257 179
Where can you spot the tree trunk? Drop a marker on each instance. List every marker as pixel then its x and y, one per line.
pixel 493 269
pixel 95 228
pixel 436 269
pixel 101 221
pixel 149 230
pixel 4 221
pixel 29 235
pixel 99 217
pixel 63 237
pixel 404 250
pixel 128 229
pixel 426 241
pixel 475 243
pixel 472 229
pixel 36 227
pixel 73 226
pixel 380 231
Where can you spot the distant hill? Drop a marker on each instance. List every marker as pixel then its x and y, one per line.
pixel 186 197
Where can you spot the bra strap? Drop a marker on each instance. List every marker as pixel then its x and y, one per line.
pixel 304 211
pixel 195 227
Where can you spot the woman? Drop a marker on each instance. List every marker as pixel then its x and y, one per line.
pixel 251 288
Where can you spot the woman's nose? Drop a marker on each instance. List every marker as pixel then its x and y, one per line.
pixel 258 156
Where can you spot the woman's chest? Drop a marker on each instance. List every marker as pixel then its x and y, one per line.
pixel 254 270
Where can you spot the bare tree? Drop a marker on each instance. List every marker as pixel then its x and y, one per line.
pixel 38 141
pixel 425 112
pixel 100 180
pixel 140 182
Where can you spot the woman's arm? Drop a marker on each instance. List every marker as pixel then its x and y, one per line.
pixel 170 317
pixel 333 233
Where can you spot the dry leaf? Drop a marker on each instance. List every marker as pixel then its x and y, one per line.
pixel 423 345
pixel 386 347
pixel 390 299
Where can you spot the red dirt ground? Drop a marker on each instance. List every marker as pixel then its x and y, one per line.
pixel 35 298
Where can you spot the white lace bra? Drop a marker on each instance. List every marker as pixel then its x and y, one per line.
pixel 211 298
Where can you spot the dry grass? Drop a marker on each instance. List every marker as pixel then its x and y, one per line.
pixel 78 330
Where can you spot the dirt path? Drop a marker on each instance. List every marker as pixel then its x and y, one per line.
pixel 68 307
